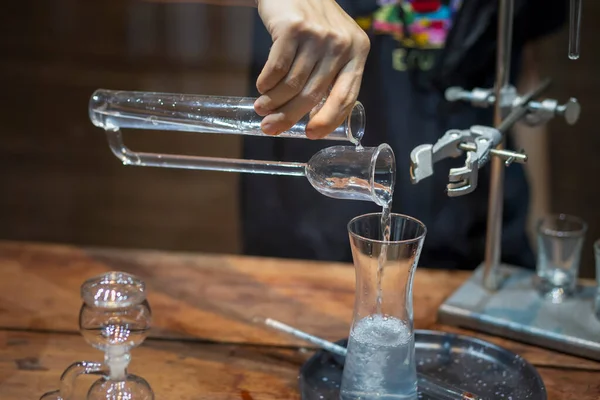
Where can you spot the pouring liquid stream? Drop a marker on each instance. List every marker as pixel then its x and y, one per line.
pixel 385 237
pixel 342 172
pixel 382 259
pixel 380 362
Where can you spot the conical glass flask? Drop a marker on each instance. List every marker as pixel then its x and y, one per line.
pixel 115 317
pixel 380 360
pixel 342 172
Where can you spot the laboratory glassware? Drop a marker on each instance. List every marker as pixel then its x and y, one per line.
pixel 560 241
pixel 380 363
pixel 343 172
pixel 115 317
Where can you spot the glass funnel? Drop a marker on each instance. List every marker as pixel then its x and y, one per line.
pixel 115 317
pixel 380 360
pixel 341 172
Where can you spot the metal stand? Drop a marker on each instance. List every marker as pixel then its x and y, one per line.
pixel 500 299
pixel 518 312
pixel 494 222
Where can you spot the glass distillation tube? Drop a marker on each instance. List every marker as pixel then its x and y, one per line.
pixel 114 317
pixel 342 172
pixel 575 28
pixel 112 109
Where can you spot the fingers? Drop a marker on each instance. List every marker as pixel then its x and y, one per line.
pixel 311 95
pixel 280 60
pixel 338 105
pixel 293 83
pixel 344 93
pixel 316 45
pixel 297 94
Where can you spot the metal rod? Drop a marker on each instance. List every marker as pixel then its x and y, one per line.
pixel 503 154
pixel 521 109
pixel 535 93
pixel 493 245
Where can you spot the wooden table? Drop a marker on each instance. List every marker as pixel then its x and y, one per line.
pixel 204 344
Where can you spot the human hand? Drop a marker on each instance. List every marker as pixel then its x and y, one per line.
pixel 316 47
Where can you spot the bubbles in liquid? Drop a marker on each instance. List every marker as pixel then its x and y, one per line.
pixel 381 330
pixel 380 363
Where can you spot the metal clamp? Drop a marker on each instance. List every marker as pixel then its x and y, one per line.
pixel 537 112
pixel 541 112
pixel 478 97
pixel 478 142
pixel 482 98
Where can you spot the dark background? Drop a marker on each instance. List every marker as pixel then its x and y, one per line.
pixel 60 183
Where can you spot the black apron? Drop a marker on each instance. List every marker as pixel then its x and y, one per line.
pixel 402 92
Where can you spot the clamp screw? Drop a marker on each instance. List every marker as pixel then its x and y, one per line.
pixel 571 111
pixel 507 155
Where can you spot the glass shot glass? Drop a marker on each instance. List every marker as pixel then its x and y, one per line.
pixel 560 240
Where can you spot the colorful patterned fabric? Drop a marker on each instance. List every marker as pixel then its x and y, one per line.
pixel 414 23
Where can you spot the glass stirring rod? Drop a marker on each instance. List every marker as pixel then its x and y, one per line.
pixel 575 29
pixel 427 384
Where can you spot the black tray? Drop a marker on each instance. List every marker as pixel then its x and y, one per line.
pixel 464 362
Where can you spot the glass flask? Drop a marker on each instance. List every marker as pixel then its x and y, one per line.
pixel 115 317
pixel 342 172
pixel 380 363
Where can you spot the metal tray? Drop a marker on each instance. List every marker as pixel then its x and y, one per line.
pixel 464 362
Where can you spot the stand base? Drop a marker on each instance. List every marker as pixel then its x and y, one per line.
pixel 517 311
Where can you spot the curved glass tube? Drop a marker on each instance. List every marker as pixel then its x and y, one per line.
pixel 113 109
pixel 341 172
pixel 142 159
pixel 69 377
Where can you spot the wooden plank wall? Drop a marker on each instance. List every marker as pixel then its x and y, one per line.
pixel 60 183
pixel 573 161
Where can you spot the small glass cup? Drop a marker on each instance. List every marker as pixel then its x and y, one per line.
pixel 597 297
pixel 560 241
pixel 380 363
